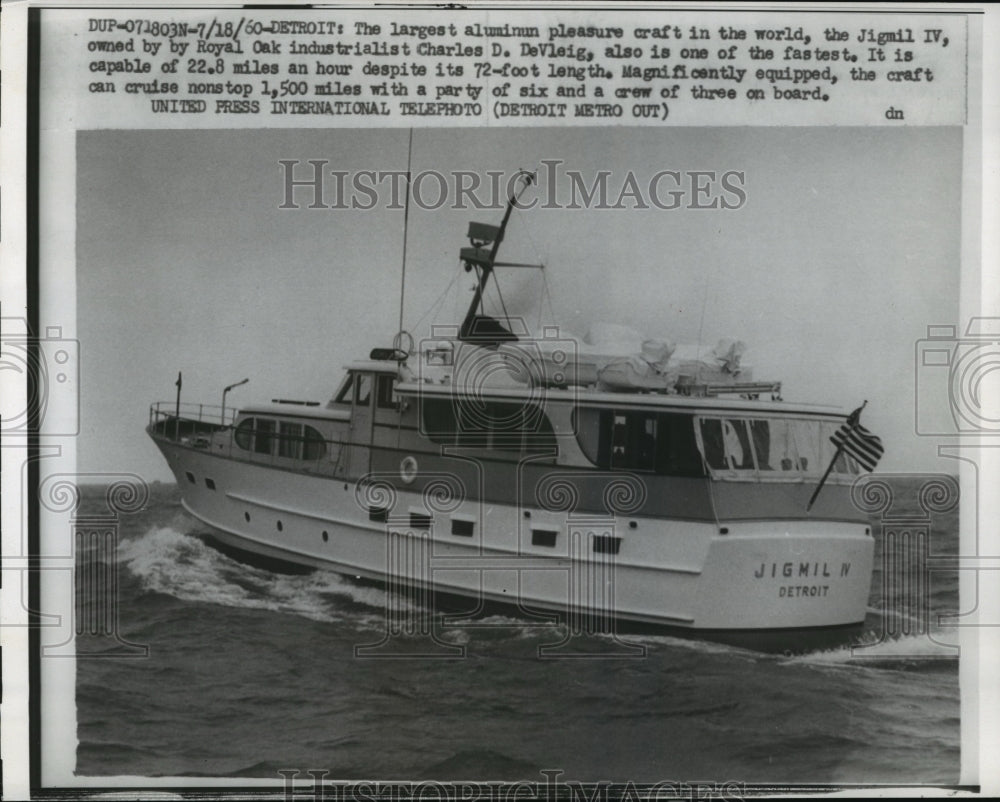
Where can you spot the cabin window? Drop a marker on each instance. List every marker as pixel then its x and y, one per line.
pixel 300 441
pixel 771 448
pixel 264 434
pixel 385 392
pixel 587 423
pixel 774 443
pixel 660 442
pixel 244 434
pixel 473 423
pixel 630 438
pixel 362 389
pixel 314 447
pixel 806 442
pixel 489 425
pixel 346 393
pixel 295 440
pixel 437 420
pixel 727 444
pixel 676 446
pixel 290 444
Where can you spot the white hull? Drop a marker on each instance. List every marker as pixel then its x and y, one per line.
pixel 757 576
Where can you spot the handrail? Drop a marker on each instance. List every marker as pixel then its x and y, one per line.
pixel 206 420
pixel 212 414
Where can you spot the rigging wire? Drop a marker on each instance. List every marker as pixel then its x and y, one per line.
pixel 502 304
pixel 541 261
pixel 402 276
pixel 406 222
pixel 434 307
pixel 709 281
pixel 547 296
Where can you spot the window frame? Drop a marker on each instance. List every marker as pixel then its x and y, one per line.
pixel 345 395
pixel 648 435
pixel 245 428
pixel 822 427
pixel 290 440
pixel 362 378
pixel 269 436
pixel 517 439
pixel 386 398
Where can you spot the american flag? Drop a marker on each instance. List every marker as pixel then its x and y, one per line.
pixel 856 440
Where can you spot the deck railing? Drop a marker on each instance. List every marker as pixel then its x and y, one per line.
pixel 204 414
pixel 205 426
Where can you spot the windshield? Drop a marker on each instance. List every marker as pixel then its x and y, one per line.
pixel 770 449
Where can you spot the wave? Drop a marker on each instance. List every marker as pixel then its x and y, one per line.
pixel 910 652
pixel 168 561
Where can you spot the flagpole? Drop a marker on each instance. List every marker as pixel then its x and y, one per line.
pixel 853 420
pixel 825 476
pixel 177 409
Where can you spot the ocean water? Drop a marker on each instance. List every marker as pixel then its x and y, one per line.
pixel 250 672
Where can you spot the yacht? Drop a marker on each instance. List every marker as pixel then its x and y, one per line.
pixel 663 487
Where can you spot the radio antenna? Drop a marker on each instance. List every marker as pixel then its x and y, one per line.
pixel 406 222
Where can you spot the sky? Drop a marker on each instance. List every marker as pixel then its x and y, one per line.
pixel 847 247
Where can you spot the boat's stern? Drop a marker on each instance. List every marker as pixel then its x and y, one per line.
pixel 786 575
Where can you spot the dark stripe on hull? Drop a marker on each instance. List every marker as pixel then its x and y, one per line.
pixel 534 485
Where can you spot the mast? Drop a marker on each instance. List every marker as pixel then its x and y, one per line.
pixel 481 235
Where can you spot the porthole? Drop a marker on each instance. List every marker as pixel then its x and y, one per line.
pixel 408 469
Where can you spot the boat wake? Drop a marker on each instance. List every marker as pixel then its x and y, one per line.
pixel 169 561
pixel 907 652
